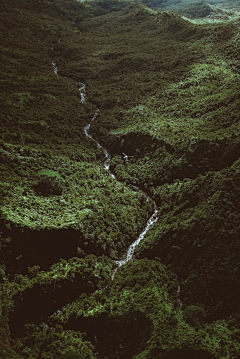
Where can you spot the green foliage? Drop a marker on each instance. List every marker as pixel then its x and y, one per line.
pixel 194 315
pixel 55 288
pixel 70 356
pixel 198 10
pixel 198 224
pixel 143 299
pixel 182 135
pixel 168 93
pixel 94 203
pixel 44 342
pixel 50 182
pixel 153 3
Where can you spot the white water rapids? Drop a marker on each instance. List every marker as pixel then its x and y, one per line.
pixel 129 255
pixel 82 90
pixel 55 69
pixel 153 219
pixel 106 164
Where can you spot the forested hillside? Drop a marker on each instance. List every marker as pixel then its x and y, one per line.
pixel 119 122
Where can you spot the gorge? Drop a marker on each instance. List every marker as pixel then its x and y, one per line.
pixel 120 179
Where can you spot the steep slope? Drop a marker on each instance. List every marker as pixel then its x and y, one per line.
pixel 51 175
pixel 192 128
pixel 47 180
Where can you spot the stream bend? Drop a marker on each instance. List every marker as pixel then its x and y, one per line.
pixel 153 219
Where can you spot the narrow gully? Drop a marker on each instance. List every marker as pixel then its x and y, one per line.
pixel 153 219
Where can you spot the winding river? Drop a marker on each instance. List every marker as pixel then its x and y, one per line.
pixel 153 219
pixel 106 164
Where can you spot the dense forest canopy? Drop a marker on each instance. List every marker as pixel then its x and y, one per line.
pixel 120 179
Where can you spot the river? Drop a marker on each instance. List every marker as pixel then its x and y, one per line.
pixel 153 219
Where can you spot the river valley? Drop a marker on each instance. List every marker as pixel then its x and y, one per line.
pixel 130 252
pixel 120 172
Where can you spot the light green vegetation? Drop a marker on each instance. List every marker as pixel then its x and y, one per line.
pixel 187 109
pixel 50 343
pixel 193 121
pixel 143 298
pixel 62 281
pixel 106 212
pixel 206 210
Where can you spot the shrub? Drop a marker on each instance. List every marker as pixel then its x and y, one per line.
pixel 194 315
pixel 50 182
pixel 70 356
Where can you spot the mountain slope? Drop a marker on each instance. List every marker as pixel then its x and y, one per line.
pixel 167 90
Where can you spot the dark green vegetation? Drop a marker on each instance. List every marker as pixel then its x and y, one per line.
pixel 168 92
